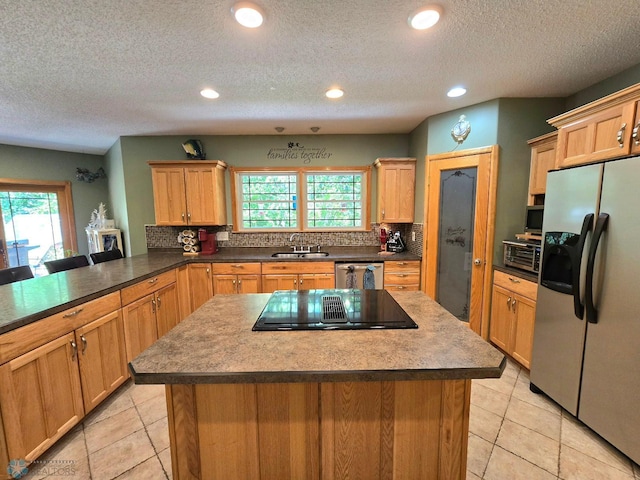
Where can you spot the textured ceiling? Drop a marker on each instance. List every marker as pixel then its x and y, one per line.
pixel 77 74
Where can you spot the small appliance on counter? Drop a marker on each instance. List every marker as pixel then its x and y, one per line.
pixel 208 243
pixel 522 254
pixel 395 243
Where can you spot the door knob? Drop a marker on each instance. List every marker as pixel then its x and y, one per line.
pixel 477 262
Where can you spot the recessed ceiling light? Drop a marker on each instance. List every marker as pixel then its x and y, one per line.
pixel 425 17
pixel 209 93
pixel 248 14
pixel 456 92
pixel 334 93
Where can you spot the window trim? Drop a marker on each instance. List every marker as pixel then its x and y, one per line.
pixel 62 189
pixel 300 172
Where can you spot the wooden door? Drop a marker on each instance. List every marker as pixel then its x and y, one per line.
pixel 140 328
pixel 472 240
pixel 200 192
pixel 525 314
pixel 40 397
pixel 502 318
pixel 313 281
pixel 200 284
pixel 103 358
pixel 271 282
pixel 169 195
pixel 249 284
pixel 167 309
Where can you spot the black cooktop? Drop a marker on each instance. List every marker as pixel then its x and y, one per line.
pixel 347 309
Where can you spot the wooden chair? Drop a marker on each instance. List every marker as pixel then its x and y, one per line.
pixel 64 264
pixel 105 256
pixel 15 274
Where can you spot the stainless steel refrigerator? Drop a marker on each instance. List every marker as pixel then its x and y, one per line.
pixel 586 348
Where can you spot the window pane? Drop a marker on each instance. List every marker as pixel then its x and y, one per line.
pixel 334 200
pixel 269 201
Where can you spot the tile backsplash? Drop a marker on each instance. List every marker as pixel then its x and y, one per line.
pixel 167 237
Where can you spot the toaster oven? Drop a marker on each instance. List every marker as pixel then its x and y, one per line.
pixel 523 255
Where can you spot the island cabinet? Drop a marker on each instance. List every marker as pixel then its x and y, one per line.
pixel 55 370
pixel 297 276
pixel 236 277
pixel 189 193
pixel 543 159
pixel 513 314
pixel 403 275
pixel 396 189
pixel 200 284
pixel 150 310
pixel 601 130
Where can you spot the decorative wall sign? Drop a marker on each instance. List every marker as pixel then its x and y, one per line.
pixel 295 151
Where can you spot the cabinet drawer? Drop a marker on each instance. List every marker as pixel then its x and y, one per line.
pixel 516 284
pixel 403 288
pixel 401 278
pixel 24 339
pixel 398 266
pixel 139 290
pixel 235 268
pixel 297 267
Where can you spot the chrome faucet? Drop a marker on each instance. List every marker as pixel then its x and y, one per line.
pixel 293 235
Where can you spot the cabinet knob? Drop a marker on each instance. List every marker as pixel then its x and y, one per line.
pixel 74 349
pixel 159 301
pixel 621 135
pixel 513 304
pixel 509 303
pixel 153 280
pixel 383 213
pixel 635 134
pixel 514 280
pixel 73 314
pixel 84 344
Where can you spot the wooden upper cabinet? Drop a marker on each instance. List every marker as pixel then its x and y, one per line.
pixel 396 189
pixel 189 193
pixel 543 159
pixel 635 132
pixel 600 130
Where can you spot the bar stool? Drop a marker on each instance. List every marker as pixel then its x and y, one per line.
pixel 15 274
pixel 105 256
pixel 64 264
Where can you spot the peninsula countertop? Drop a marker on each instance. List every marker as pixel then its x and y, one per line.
pixel 215 344
pixel 29 300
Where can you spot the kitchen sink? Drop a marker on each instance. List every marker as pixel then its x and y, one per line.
pixel 300 254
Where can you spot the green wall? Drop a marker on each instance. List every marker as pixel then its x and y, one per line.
pixel 39 164
pixel 238 151
pixel 624 79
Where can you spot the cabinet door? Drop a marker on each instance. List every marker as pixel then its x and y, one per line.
pixel 103 359
pixel 502 318
pixel 140 328
pixel 225 284
pixel 184 292
pixel 40 397
pixel 200 284
pixel 167 309
pixel 203 195
pixel 595 137
pixel 169 196
pixel 313 281
pixel 271 283
pixel 249 284
pixel 397 195
pixel 525 312
pixel 635 134
pixel 543 159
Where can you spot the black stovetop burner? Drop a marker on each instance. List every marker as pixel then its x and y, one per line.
pixel 348 309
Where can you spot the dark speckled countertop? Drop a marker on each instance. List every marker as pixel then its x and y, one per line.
pixel 29 300
pixel 215 344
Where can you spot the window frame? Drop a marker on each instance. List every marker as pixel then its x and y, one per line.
pixel 301 174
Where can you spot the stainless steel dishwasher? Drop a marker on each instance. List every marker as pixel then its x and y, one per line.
pixel 352 274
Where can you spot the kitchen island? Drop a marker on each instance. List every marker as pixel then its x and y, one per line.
pixel 365 404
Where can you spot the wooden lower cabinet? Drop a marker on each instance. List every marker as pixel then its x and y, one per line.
pixel 341 430
pixel 402 275
pixel 200 285
pixel 513 314
pixel 103 359
pixel 236 278
pixel 40 397
pixel 297 276
pixel 151 308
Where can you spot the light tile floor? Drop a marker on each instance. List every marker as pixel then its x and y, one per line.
pixel 514 434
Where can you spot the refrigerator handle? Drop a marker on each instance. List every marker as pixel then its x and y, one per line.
pixel 578 306
pixel 601 226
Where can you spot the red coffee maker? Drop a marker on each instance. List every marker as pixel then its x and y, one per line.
pixel 208 243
